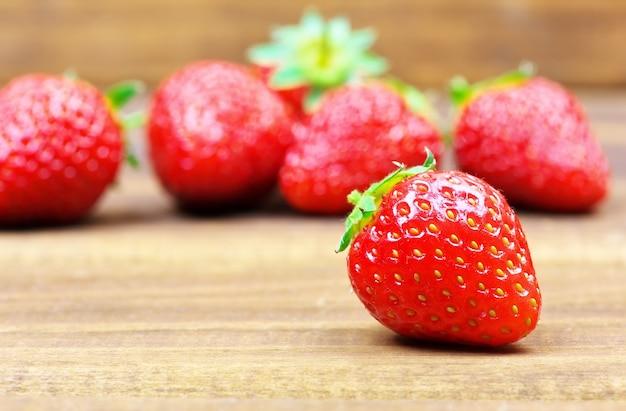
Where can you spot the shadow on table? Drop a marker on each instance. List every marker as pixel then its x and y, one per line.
pixel 452 349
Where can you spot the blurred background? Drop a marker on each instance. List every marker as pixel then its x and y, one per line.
pixel 581 43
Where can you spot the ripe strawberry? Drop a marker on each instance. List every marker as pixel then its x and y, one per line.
pixel 217 136
pixel 303 61
pixel 60 147
pixel 351 141
pixel 529 137
pixel 438 255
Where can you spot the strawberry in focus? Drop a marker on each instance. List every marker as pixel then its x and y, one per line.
pixel 351 140
pixel 61 145
pixel 530 138
pixel 217 136
pixel 304 61
pixel 440 256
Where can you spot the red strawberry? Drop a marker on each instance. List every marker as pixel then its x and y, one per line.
pixel 441 256
pixel 60 148
pixel 303 61
pixel 217 136
pixel 529 137
pixel 351 141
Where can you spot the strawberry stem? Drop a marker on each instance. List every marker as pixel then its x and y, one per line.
pixel 367 202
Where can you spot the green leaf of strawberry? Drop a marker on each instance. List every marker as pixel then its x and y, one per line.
pixel 440 256
pixel 118 96
pixel 121 93
pixel 366 203
pixel 317 55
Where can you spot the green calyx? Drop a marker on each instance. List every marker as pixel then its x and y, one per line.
pixel 118 96
pixel 318 54
pixel 367 202
pixel 461 92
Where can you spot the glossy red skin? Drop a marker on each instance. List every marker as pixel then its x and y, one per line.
pixel 217 136
pixel 60 148
pixel 452 307
pixel 534 143
pixel 351 141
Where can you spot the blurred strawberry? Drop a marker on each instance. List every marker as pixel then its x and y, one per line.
pixel 352 140
pixel 60 147
pixel 217 136
pixel 530 138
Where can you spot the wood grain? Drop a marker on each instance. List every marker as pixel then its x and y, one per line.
pixel 143 308
pixel 427 42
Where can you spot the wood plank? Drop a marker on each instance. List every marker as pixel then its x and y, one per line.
pixel 123 404
pixel 426 42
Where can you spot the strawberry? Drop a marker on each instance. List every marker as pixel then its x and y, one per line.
pixel 303 61
pixel 351 140
pixel 529 137
pixel 217 136
pixel 440 255
pixel 60 147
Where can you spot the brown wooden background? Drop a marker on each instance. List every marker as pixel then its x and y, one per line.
pixel 579 42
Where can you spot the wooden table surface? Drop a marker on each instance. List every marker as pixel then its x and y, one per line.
pixel 143 308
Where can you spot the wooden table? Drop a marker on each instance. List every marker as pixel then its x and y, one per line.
pixel 142 308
